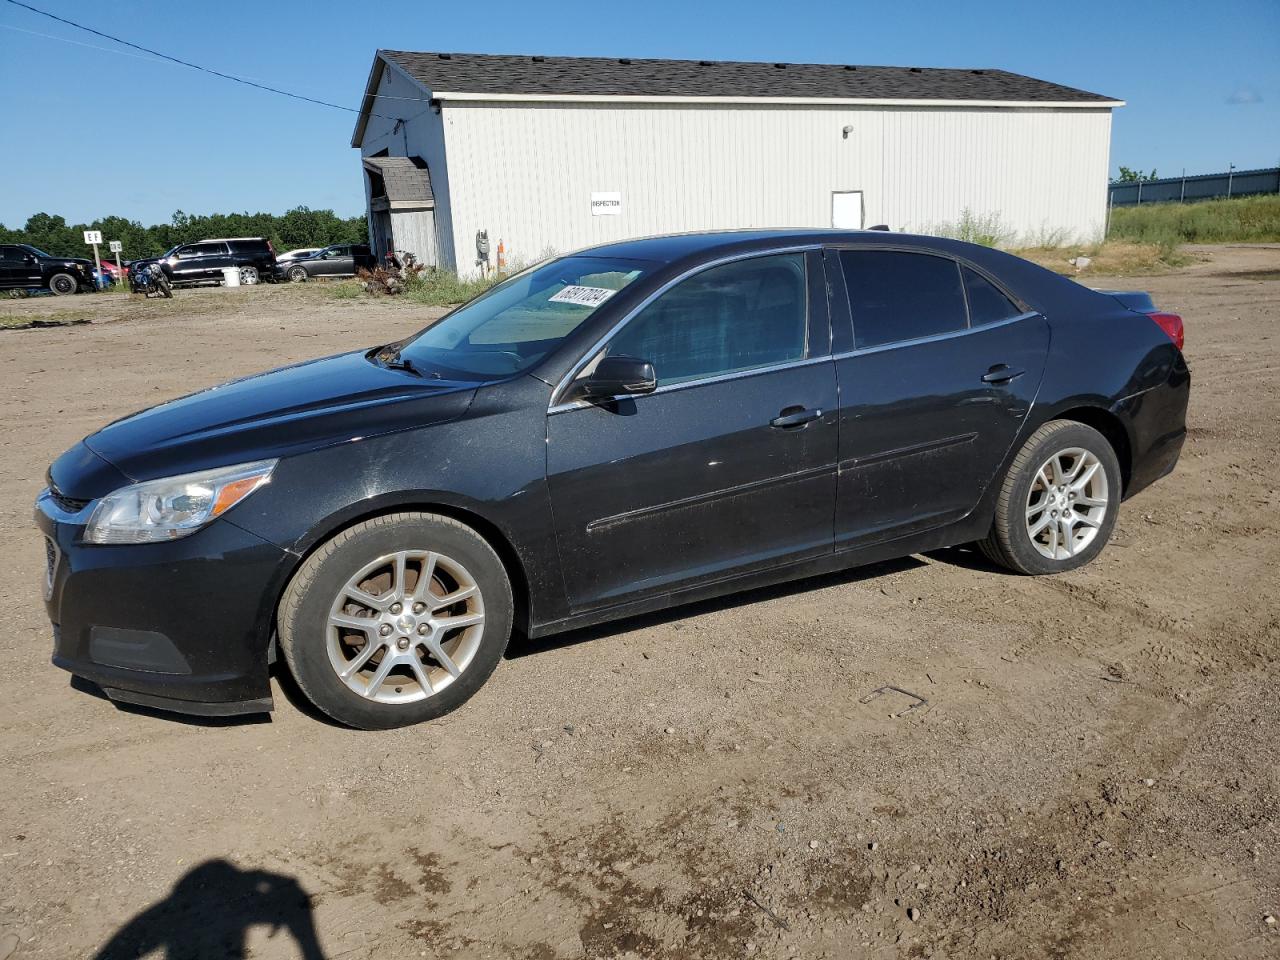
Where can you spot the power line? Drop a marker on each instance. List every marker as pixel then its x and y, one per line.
pixel 186 63
pixel 79 43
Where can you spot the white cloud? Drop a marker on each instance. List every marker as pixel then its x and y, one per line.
pixel 1245 95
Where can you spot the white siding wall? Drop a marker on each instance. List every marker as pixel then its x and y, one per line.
pixel 525 171
pixel 421 135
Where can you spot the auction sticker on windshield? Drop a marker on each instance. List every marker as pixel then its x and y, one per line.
pixel 586 296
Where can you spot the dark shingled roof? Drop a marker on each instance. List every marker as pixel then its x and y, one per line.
pixel 404 179
pixel 603 76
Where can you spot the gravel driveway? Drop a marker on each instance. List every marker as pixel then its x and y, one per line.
pixel 1095 774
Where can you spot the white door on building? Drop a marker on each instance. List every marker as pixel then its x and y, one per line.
pixel 846 209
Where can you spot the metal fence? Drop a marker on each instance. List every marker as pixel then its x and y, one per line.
pixel 1206 186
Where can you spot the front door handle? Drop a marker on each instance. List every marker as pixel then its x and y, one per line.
pixel 794 417
pixel 1001 373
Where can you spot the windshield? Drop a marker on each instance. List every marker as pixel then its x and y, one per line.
pixel 517 323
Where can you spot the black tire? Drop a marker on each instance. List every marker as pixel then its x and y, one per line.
pixel 297 274
pixel 302 619
pixel 63 284
pixel 1010 543
pixel 249 276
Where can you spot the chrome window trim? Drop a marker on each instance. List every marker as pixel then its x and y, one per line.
pixel 701 381
pixel 556 406
pixel 933 338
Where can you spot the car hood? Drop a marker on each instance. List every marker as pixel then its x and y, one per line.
pixel 341 399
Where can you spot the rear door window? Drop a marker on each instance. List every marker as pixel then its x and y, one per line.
pixel 735 317
pixel 896 296
pixel 986 303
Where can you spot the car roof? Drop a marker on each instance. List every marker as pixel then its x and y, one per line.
pixel 673 248
pixel 1035 285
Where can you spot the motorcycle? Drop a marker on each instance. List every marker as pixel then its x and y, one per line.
pixel 151 281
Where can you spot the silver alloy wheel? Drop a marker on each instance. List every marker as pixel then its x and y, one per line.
pixel 248 275
pixel 297 274
pixel 1067 503
pixel 405 626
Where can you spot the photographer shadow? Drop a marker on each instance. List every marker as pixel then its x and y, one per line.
pixel 210 911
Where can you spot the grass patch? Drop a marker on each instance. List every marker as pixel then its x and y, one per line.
pixel 443 288
pixel 1238 220
pixel 347 290
pixel 1115 257
pixel 432 288
pixel 20 321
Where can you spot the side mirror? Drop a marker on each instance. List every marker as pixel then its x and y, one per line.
pixel 619 376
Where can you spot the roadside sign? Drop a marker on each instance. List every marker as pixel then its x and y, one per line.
pixel 93 238
pixel 116 246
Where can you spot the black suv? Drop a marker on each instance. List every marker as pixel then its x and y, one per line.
pixel 23 267
pixel 338 260
pixel 203 262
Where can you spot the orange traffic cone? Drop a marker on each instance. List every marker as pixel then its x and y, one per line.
pixel 502 256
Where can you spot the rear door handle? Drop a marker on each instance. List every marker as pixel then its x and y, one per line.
pixel 1001 373
pixel 794 417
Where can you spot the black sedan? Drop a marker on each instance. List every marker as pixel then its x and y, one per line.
pixel 338 260
pixel 631 427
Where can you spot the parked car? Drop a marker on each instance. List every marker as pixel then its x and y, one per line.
pixel 638 425
pixel 338 260
pixel 203 262
pixel 23 267
pixel 297 254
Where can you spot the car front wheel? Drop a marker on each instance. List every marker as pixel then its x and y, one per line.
pixel 62 284
pixel 1058 503
pixel 297 274
pixel 396 620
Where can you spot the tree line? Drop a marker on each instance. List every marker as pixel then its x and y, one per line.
pixel 299 227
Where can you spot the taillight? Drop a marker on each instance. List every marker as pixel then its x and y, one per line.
pixel 1171 324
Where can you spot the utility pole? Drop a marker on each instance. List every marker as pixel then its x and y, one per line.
pixel 1231 169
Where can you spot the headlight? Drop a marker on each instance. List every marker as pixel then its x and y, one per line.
pixel 175 506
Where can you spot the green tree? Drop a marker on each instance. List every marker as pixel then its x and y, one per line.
pixel 1133 176
pixel 299 227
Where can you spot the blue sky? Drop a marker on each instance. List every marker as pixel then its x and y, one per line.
pixel 1202 81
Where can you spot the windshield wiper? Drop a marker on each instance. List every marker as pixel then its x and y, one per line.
pixel 390 357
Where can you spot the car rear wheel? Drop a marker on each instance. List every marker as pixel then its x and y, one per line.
pixel 62 284
pixel 297 274
pixel 1058 503
pixel 397 620
pixel 248 275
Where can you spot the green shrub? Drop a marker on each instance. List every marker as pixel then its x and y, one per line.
pixel 986 229
pixel 442 288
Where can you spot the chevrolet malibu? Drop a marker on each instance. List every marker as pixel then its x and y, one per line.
pixel 631 427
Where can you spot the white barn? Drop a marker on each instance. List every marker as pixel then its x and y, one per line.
pixel 550 154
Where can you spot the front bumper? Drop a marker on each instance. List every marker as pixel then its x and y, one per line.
pixel 183 625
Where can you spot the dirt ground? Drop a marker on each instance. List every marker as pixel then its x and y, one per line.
pixel 1096 773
